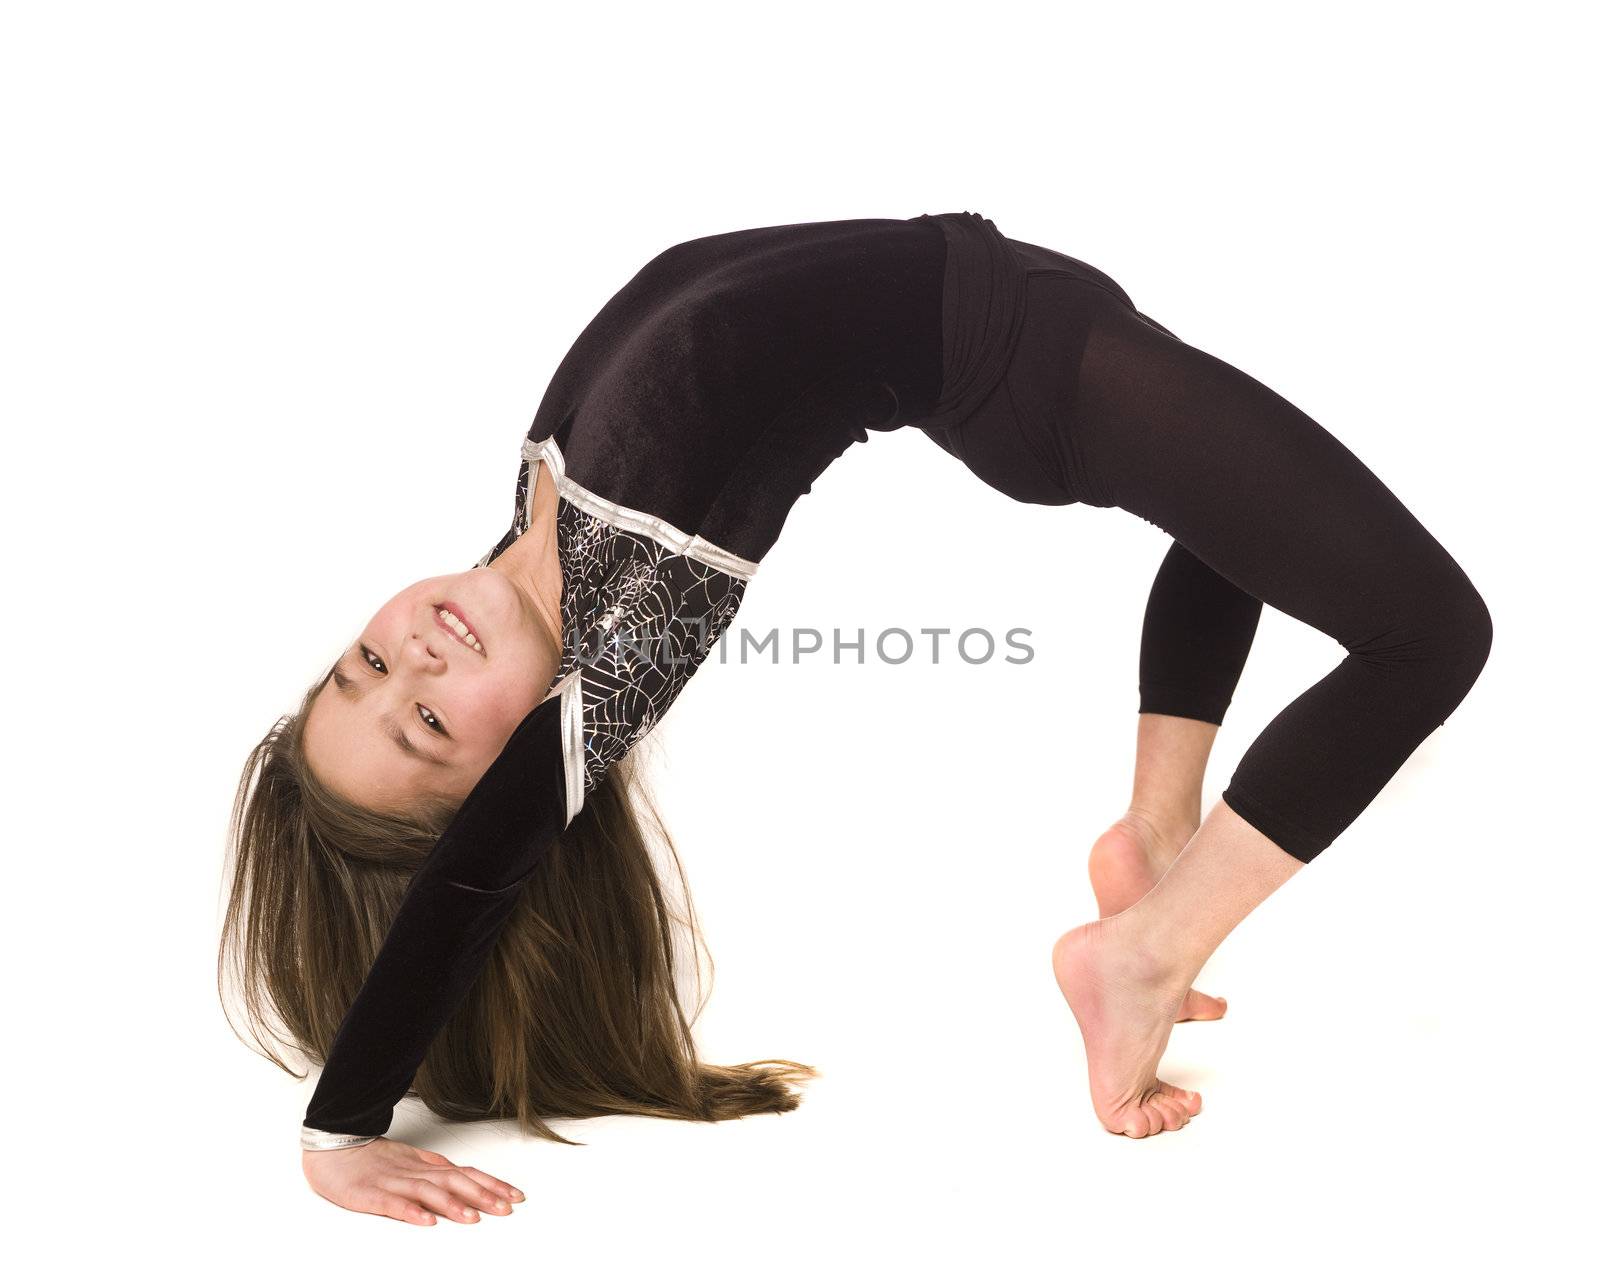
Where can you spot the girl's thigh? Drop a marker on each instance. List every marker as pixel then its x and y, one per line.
pixel 1132 417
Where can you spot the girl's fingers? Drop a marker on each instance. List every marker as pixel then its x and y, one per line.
pixel 429 1156
pixel 508 1192
pixel 403 1209
pixel 475 1193
pixel 437 1198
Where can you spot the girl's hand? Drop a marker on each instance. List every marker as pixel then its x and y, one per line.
pixel 388 1178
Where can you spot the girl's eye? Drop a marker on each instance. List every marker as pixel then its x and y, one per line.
pixel 425 715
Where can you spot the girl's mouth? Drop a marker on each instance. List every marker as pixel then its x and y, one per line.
pixel 448 616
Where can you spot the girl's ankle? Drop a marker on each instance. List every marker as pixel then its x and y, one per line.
pixel 1161 832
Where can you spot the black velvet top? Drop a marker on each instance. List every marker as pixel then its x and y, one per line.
pixel 690 415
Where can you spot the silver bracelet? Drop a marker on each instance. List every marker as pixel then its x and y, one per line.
pixel 311 1138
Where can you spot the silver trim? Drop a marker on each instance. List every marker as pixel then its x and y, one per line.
pixel 312 1138
pixel 632 519
pixel 569 691
pixel 572 739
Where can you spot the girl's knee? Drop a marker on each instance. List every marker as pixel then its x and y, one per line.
pixel 1440 643
pixel 1473 635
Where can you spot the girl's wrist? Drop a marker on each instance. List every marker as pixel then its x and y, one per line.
pixel 313 1138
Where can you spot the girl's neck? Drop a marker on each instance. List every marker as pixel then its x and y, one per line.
pixel 533 561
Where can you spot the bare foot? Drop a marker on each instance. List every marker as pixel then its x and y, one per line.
pixel 1127 860
pixel 1125 1012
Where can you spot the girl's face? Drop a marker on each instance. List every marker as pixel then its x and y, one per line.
pixel 413 709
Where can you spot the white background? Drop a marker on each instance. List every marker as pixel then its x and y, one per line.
pixel 283 285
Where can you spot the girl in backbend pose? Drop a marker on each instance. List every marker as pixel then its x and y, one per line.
pixel 443 879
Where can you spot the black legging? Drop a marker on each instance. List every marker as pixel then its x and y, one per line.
pixel 1102 405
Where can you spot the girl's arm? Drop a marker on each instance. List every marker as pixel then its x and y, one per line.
pixel 445 928
pixel 441 936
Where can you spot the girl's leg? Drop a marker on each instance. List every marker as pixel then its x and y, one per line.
pixel 1130 857
pixel 1197 633
pixel 1169 767
pixel 1274 504
pixel 1198 629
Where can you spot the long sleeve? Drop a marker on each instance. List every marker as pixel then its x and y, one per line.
pixel 445 928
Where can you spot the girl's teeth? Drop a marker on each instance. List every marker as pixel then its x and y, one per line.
pixel 460 629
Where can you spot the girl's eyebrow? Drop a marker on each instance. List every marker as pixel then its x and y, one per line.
pixel 351 690
pixel 406 746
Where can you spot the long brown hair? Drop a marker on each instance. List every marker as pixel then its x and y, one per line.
pixel 577 1011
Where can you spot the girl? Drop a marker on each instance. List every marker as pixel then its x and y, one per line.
pixel 443 877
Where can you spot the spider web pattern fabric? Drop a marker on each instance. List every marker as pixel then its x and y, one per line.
pixel 649 617
pixel 637 618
